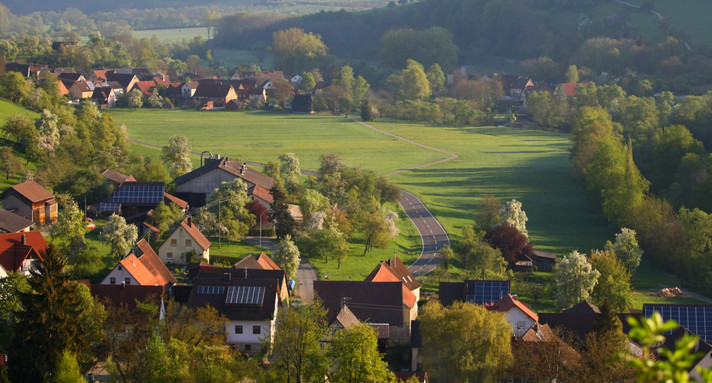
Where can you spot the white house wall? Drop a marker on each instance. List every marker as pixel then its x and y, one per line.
pixel 119 274
pixel 181 253
pixel 521 322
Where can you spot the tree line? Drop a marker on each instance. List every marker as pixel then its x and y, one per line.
pixel 645 162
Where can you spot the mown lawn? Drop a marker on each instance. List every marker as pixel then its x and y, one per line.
pixel 8 108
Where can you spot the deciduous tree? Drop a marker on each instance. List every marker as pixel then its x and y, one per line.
pixel 176 155
pixel 9 163
pixel 355 358
pixel 627 250
pixel 513 215
pixel 119 235
pixel 575 279
pixel 287 256
pixel 289 170
pixel 613 286
pixel 297 348
pixel 296 51
pixel 454 348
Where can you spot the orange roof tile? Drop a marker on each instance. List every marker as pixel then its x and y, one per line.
pixel 146 86
pixel 383 273
pixel 175 200
pixel 266 262
pixel 263 194
pixel 154 264
pixel 195 233
pixel 508 302
pixel 33 191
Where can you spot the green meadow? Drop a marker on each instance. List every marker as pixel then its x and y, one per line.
pixel 172 35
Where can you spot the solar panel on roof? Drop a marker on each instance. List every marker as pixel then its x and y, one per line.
pixel 488 292
pixel 138 194
pixel 245 295
pixel 697 319
pixel 211 290
pixel 109 207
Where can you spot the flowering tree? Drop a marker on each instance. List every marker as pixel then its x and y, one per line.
pixel 575 279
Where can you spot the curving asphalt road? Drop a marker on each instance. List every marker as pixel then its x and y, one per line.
pixel 432 235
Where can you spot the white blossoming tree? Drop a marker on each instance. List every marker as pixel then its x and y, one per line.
pixel 575 279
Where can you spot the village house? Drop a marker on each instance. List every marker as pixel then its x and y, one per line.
pixel 480 292
pixel 19 252
pixel 543 261
pixel 188 89
pixel 141 267
pixel 104 97
pixel 126 81
pixel 31 201
pixel 197 186
pixel 81 90
pixel 389 307
pixel 250 306
pixel 185 242
pixel 521 317
pixel 217 92
pixel 251 268
pixel 13 223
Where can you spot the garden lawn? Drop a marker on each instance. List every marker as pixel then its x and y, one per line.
pixel 264 136
pixel 529 165
pixel 8 108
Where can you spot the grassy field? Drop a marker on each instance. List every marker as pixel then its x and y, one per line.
pixel 509 163
pixel 172 35
pixel 531 166
pixel 263 137
pixel 8 108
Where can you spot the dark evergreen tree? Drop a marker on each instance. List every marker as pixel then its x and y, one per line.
pixel 283 221
pixel 366 111
pixel 55 316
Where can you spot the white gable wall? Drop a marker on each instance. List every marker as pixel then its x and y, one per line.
pixel 119 273
pixel 177 250
pixel 521 322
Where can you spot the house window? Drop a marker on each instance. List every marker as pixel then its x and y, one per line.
pixel 238 329
pixel 128 281
pixel 521 324
pixel 169 256
pixel 120 267
pixel 248 347
pixel 112 280
pixel 256 329
pixel 174 242
pixel 188 242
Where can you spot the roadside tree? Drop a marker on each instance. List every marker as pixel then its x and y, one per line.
pixel 355 358
pixel 287 256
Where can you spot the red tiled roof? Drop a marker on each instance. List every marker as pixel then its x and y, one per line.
pixel 153 263
pixel 175 200
pixel 33 191
pixel 145 266
pixel 570 88
pixel 267 262
pixel 508 302
pixel 101 73
pixel 195 233
pixel 13 252
pixel 263 194
pixel 146 86
pixel 391 271
pixel 160 80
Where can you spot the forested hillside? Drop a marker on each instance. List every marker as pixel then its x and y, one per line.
pixel 605 36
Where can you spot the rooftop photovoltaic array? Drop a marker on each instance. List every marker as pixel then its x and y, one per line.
pixel 109 207
pixel 138 194
pixel 486 292
pixel 696 318
pixel 245 295
pixel 211 290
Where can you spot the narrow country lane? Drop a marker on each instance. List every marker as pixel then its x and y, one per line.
pixel 432 235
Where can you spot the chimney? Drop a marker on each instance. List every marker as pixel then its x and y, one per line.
pixel 123 285
pixel 190 221
pixel 24 239
pixel 228 277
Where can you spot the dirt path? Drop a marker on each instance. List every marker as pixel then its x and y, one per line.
pixel 451 155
